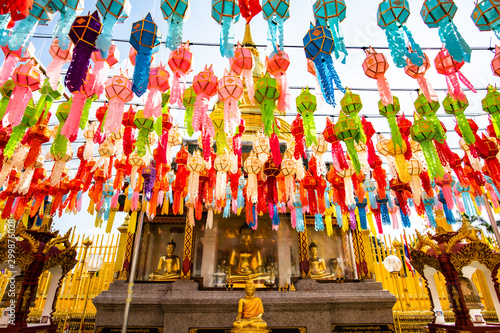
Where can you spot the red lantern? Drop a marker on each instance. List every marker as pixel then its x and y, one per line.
pixel 100 114
pixel 179 62
pixel 418 73
pixel 339 159
pixel 298 134
pixel 495 63
pixel 277 66
pixel 242 64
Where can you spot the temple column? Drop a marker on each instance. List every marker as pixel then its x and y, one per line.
pixel 285 263
pixel 433 294
pixel 187 260
pixel 303 254
pixel 55 276
pixel 209 254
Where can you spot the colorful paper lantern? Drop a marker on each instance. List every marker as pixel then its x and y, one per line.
pixel 375 65
pixel 306 106
pixel 318 46
pixel 59 58
pixel 391 17
pixel 189 98
pixel 158 84
pixel 491 105
pixel 96 81
pixel 297 129
pixel 68 9
pixel 486 16
pixel 277 65
pixel 118 91
pixel 249 8
pixel 330 13
pixel 145 126
pixel 230 90
pixel 417 72
pixel 495 63
pixel 347 130
pixel 83 34
pixel 457 107
pixel 351 105
pixel 226 13
pixel 276 12
pixel 11 60
pixel 175 12
pixel 242 65
pixel 145 39
pixel 422 131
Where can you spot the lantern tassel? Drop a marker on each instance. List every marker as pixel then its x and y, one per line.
pixel 141 70
pixel 456 45
pixel 153 103
pixel 384 90
pixel 97 78
pixel 78 67
pixel 227 37
pixel 63 28
pixel 175 31
pixel 338 37
pixel 23 31
pixel 18 102
pixel 114 115
pixel 70 128
pixel 103 41
pixel 8 67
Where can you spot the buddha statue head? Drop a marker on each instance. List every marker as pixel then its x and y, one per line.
pixel 170 247
pixel 246 236
pixel 313 250
pixel 250 288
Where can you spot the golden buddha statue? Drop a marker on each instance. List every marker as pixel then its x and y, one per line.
pixel 169 265
pixel 246 262
pixel 317 266
pixel 250 311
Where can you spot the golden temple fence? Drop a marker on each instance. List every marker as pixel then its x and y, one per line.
pixel 412 310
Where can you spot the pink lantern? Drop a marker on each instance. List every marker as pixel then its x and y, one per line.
pixel 59 58
pixel 277 66
pixel 179 62
pixel 230 91
pixel 418 73
pixel 99 75
pixel 118 92
pixel 242 65
pixel 375 65
pixel 27 79
pixel 11 60
pixel 446 65
pixel 158 84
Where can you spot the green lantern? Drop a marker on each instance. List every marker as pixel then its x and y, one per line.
pixel 390 111
pixel 351 105
pixel 49 95
pixel 423 132
pixel 491 104
pixel 428 110
pixel 457 108
pixel 347 130
pixel 266 95
pixel 6 91
pixel 145 126
pixel 306 105
pixel 19 131
pixel 188 100
pixel 60 141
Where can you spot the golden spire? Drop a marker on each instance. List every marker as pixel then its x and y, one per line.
pixel 247 38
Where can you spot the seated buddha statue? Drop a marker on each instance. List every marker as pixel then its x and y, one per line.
pixel 169 265
pixel 245 262
pixel 250 311
pixel 317 266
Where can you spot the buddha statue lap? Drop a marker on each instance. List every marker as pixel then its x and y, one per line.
pixel 169 265
pixel 250 311
pixel 246 262
pixel 317 266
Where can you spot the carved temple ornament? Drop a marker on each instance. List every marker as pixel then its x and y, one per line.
pixel 23 257
pixel 420 259
pixel 425 240
pixel 476 251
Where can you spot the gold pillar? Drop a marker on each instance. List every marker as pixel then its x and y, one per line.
pixel 303 253
pixel 188 251
pixel 122 244
pixel 365 269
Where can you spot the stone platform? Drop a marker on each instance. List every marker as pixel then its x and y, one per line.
pixel 180 305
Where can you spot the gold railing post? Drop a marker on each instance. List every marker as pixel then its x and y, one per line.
pixel 187 260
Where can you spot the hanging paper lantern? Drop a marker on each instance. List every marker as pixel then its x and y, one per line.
pixel 415 169
pixel 339 160
pixel 351 105
pixel 41 13
pixel 485 16
pixel 253 166
pixel 189 99
pixel 318 45
pixel 422 131
pixel 145 39
pixel 179 62
pixel 495 63
pixel 288 170
pixel 277 66
pixel 402 191
pixel 195 165
pixel 297 129
pixel 242 65
pixel 145 126
pixel 19 131
pixel 60 160
pixel 417 72
pixel 59 58
pixel 60 141
pixel 68 9
pixel 83 34
pixel 330 13
pixel 347 131
pixel 261 146
pixel 391 17
pixel 226 13
pixel 6 91
pixel 47 97
pixel 16 10
pixel 457 107
pixel 249 9
pixel 222 166
pixel 491 105
pixel 11 60
pixel 272 171
pixel 448 66
pixel 118 92
pixel 390 111
pixel 428 108
pixel 158 84
pixel 398 152
pixel 375 65
pixel 175 12
pixel 439 14
pixel 230 91
pixel 112 12
pixel 306 106
pixel 27 79
pixel 96 81
pixel 276 12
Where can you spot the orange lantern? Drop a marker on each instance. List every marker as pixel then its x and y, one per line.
pixel 230 91
pixel 179 62
pixel 375 65
pixel 118 92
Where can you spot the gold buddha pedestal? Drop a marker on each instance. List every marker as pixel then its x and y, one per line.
pixel 169 266
pixel 317 266
pixel 250 311
pixel 246 263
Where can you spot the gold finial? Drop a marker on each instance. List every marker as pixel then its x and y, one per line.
pixel 87 242
pixel 292 287
pixel 247 38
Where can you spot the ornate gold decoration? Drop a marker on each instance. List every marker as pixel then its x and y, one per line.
pixel 476 251
pixel 65 258
pixel 420 259
pixel 456 297
pixel 21 232
pixel 360 255
pixel 26 298
pixel 425 240
pixel 463 233
pixel 188 247
pixel 303 248
pixel 58 240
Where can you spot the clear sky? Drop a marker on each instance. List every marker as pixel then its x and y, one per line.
pixel 359 28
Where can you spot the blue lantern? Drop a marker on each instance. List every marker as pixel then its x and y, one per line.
pixel 175 12
pixel 226 13
pixel 318 45
pixel 486 16
pixel 276 12
pixel 145 39
pixel 112 12
pixel 392 16
pixel 69 10
pixel 330 13
pixel 439 14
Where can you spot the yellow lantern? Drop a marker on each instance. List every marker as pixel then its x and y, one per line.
pixel 253 166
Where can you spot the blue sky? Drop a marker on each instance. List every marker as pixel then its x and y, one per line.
pixel 360 29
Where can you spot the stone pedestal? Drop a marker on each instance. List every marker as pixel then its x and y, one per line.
pixel 180 305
